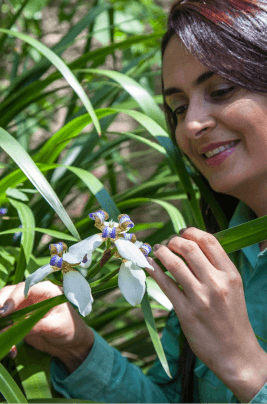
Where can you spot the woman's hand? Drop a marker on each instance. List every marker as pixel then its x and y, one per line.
pixel 211 307
pixel 61 332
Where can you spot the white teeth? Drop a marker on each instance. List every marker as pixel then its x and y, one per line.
pixel 219 149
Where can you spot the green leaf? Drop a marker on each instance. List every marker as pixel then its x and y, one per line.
pixel 53 233
pixel 9 388
pixel 27 165
pixel 27 240
pixel 19 330
pixel 64 70
pixel 243 235
pixel 34 371
pixel 56 143
pixel 152 329
pixel 17 194
pixel 98 189
pixel 148 142
pixel 140 95
pixel 7 261
pixel 27 220
pixel 175 216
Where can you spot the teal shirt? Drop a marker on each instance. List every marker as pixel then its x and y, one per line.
pixel 106 376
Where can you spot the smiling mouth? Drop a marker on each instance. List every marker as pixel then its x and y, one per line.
pixel 220 149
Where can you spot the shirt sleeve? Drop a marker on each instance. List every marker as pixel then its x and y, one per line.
pixel 106 376
pixel 261 397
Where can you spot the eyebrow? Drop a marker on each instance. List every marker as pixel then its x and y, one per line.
pixel 200 80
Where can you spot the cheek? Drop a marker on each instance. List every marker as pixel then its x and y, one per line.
pixel 245 115
pixel 182 141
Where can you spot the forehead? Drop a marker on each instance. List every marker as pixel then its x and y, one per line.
pixel 179 66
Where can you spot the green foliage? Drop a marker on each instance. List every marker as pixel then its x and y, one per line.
pixel 53 108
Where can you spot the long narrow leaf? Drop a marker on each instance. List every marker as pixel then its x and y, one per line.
pixel 27 220
pixel 9 388
pixel 27 165
pixel 34 370
pixel 243 235
pixel 98 189
pixel 64 70
pixel 141 96
pixel 53 233
pixel 18 331
pixel 152 329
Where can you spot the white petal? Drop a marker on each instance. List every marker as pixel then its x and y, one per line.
pixel 115 224
pixel 132 253
pixel 132 282
pixel 138 243
pixel 154 291
pixel 88 262
pixel 77 290
pixel 77 251
pixel 37 276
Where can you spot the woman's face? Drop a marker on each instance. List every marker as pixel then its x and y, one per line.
pixel 221 127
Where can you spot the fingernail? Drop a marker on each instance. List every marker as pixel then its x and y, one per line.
pixel 4 309
pixel 181 231
pixel 156 247
pixel 150 261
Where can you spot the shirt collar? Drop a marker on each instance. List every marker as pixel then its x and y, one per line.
pixel 243 214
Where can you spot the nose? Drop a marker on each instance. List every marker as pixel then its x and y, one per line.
pixel 199 119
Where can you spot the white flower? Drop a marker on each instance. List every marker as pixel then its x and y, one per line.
pixel 75 286
pixel 132 278
pixel 77 290
pixel 132 282
pixel 130 251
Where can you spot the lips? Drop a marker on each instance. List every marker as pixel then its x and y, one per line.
pixel 213 146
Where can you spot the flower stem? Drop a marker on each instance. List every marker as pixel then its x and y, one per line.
pixel 105 278
pixel 99 265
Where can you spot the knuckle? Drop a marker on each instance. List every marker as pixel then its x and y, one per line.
pixel 173 241
pixel 175 266
pixel 189 247
pixel 204 303
pixel 235 278
pixel 210 240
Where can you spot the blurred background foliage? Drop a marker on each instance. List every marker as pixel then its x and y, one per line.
pixel 129 171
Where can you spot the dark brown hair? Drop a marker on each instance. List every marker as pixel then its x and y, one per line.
pixel 229 38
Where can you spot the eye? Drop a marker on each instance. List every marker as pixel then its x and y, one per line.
pixel 222 92
pixel 178 112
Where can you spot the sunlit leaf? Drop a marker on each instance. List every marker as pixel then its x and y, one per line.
pixel 9 388
pixel 27 165
pixel 62 67
pixel 152 329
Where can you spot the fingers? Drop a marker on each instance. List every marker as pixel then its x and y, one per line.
pixel 177 268
pixel 197 261
pixel 210 247
pixel 166 283
pixel 12 296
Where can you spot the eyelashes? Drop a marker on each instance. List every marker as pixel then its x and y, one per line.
pixel 215 96
pixel 222 92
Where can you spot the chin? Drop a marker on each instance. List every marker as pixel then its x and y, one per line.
pixel 224 187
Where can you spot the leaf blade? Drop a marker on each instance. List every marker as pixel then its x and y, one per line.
pixel 27 165
pixel 64 70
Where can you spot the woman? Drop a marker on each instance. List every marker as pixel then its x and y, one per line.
pixel 214 83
